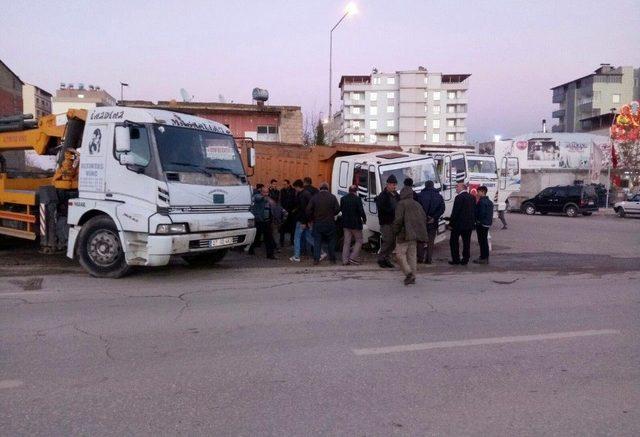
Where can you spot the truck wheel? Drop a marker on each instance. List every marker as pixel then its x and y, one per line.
pixel 571 211
pixel 529 209
pixel 205 259
pixel 621 212
pixel 99 249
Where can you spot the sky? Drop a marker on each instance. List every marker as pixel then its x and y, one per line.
pixel 514 50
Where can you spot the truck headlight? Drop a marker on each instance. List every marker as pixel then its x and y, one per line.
pixel 173 228
pixel 251 223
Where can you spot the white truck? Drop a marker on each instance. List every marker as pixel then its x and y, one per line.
pixel 141 186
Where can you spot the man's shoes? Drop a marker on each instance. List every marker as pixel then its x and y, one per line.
pixel 272 257
pixel 464 263
pixel 504 227
pixel 354 262
pixel 345 263
pixel 481 261
pixel 383 264
pixel 454 263
pixel 410 279
pixel 389 264
pixel 294 259
pixel 428 262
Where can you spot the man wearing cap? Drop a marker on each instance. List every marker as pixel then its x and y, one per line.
pixel 386 203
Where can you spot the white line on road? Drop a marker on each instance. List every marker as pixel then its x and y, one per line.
pixel 481 341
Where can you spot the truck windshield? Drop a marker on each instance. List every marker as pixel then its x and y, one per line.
pixel 185 150
pixel 485 166
pixel 420 171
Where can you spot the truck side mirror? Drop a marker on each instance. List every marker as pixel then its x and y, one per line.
pixel 251 158
pixel 123 139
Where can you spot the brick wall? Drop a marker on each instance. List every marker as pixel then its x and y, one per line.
pixel 10 92
pixel 291 126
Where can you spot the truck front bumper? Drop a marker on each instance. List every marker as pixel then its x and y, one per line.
pixel 157 250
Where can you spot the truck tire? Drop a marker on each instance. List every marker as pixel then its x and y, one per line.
pixel 205 259
pixel 529 209
pixel 100 250
pixel 621 212
pixel 571 211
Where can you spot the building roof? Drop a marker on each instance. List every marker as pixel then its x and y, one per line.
pixel 11 71
pixel 603 70
pixel 354 79
pixel 208 107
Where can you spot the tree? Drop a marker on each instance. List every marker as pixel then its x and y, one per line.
pixel 319 139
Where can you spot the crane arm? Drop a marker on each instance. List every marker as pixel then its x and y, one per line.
pixel 42 138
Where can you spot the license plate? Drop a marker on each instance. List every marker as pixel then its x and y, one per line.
pixel 221 242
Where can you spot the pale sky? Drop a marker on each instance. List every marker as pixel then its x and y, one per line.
pixel 515 50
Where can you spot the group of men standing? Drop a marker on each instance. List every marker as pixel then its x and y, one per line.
pixel 408 222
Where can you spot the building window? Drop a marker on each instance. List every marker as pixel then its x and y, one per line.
pixel 451 136
pixel 355 124
pixel 267 129
pixel 391 80
pixel 390 109
pixel 376 81
pixel 460 137
pixel 373 138
pixel 355 96
pixel 435 138
pixel 391 123
pixel 436 95
pixel 451 95
pixel 373 124
pixel 426 122
pixel 373 97
pixel 426 108
pixel 426 95
pixel 355 110
pixel 451 122
pixel 426 80
pixel 435 124
pixel 373 110
pixel 391 95
pixel 615 98
pixel 451 109
pixel 436 109
pixel 356 138
pixel 391 137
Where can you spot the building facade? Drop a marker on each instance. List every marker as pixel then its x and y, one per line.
pixel 259 121
pixel 35 101
pixel 72 96
pixel 10 92
pixel 406 108
pixel 584 102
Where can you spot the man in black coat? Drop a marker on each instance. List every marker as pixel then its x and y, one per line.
pixel 484 219
pixel 353 217
pixel 288 202
pixel 462 222
pixel 322 209
pixel 433 205
pixel 386 204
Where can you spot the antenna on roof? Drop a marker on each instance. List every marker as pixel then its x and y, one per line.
pixel 185 95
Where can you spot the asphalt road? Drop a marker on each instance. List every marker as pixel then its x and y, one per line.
pixel 546 341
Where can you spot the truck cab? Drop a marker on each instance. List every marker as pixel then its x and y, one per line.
pixel 154 184
pixel 369 171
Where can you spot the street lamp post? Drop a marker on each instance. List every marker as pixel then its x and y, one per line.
pixel 350 10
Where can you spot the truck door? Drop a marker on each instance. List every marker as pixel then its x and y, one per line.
pixel 509 173
pixel 459 167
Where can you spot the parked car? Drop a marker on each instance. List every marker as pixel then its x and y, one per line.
pixel 630 206
pixel 568 199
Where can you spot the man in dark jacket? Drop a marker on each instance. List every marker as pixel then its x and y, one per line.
pixel 433 206
pixel 288 202
pixel 461 223
pixel 484 218
pixel 409 227
pixel 386 204
pixel 274 193
pixel 353 217
pixel 262 212
pixel 322 209
pixel 300 216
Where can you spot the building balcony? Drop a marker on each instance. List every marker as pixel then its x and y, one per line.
pixel 350 116
pixel 384 130
pixel 458 101
pixel 351 102
pixel 454 115
pixel 559 96
pixel 558 128
pixel 456 129
pixel 559 113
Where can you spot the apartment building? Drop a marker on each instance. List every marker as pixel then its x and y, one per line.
pixel 407 108
pixel 586 103
pixel 35 101
pixel 77 96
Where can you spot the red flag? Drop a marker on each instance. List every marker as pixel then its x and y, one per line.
pixel 614 157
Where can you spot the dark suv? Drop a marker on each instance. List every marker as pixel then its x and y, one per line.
pixel 569 199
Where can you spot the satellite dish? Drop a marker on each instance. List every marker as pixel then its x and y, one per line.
pixel 185 95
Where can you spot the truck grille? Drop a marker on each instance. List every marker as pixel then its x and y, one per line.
pixel 206 244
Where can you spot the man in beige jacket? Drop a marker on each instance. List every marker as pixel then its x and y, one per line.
pixel 409 227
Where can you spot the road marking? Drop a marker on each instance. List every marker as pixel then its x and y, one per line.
pixel 10 383
pixel 481 341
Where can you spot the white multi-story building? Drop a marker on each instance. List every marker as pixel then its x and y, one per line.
pixel 406 108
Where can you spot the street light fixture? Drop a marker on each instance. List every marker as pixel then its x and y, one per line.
pixel 350 9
